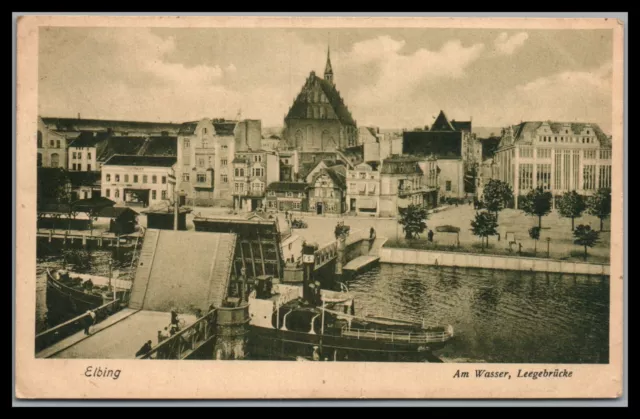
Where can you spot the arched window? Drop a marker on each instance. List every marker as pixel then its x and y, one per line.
pixel 39 139
pixel 39 159
pixel 55 160
pixel 298 137
pixel 325 139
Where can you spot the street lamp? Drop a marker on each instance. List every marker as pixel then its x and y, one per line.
pixel 548 241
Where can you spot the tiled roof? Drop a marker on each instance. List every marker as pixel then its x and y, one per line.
pixel 89 139
pixel 187 128
pixel 524 131
pixel 161 146
pixel 299 108
pixel 400 165
pixel 120 145
pixel 75 124
pixel 287 187
pixel 442 123
pixel 148 161
pixel 225 128
pixel 337 178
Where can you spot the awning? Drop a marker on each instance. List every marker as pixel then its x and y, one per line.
pixel 366 204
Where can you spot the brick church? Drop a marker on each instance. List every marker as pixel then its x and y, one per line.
pixel 319 120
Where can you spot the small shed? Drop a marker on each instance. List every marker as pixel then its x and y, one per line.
pixel 161 217
pixel 123 220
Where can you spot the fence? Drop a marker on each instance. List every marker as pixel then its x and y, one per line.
pixel 186 341
pixel 403 337
pixel 68 328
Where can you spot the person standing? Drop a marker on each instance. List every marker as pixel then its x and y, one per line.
pixel 430 235
pixel 144 349
pixel 89 321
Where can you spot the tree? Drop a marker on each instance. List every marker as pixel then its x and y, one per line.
pixel 534 233
pixel 585 236
pixel 571 205
pixel 412 219
pixel 496 195
pixel 599 204
pixel 484 225
pixel 537 202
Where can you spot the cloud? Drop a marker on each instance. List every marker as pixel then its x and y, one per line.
pixel 506 45
pixel 383 74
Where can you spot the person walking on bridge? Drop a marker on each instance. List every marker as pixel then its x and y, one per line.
pixel 89 321
pixel 145 349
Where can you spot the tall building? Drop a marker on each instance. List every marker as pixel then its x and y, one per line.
pixel 52 147
pixel 253 171
pixel 557 156
pixel 456 148
pixel 318 119
pixel 401 184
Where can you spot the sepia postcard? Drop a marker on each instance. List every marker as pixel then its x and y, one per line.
pixel 319 208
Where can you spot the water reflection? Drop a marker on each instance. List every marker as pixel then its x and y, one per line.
pixel 499 316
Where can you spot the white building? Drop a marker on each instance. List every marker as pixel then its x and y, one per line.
pixel 52 147
pixel 557 156
pixel 138 180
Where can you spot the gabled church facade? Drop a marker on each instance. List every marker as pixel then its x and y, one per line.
pixel 318 119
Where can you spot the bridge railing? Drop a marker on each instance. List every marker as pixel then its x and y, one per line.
pixel 68 328
pixel 404 337
pixel 185 341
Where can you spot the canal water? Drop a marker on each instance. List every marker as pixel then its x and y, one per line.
pixel 498 316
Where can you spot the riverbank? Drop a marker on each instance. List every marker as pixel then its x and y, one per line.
pixel 487 261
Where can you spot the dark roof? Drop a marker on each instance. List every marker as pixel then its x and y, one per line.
pixel 93 203
pixel 287 187
pixel 75 124
pixel 120 145
pixel 188 128
pixel 84 178
pixel 489 146
pixel 461 125
pixel 89 139
pixel 115 212
pixel 442 144
pixel 225 128
pixel 239 160
pixel 299 108
pixel 155 161
pixel 442 123
pixel 161 146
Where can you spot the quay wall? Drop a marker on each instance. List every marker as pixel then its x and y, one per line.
pixel 474 260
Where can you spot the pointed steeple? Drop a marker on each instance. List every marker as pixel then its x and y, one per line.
pixel 328 71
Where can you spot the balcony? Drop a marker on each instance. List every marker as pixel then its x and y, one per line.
pixel 410 191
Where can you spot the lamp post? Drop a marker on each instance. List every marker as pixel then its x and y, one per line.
pixel 548 241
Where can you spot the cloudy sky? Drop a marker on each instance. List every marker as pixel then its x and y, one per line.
pixel 391 78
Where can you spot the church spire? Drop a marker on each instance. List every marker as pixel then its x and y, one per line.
pixel 328 71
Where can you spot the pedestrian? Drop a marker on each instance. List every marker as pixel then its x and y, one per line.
pixel 144 349
pixel 286 215
pixel 89 321
pixel 430 235
pixel 372 234
pixel 316 355
pixel 174 318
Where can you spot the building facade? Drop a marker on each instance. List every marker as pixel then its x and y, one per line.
pixel 252 172
pixel 139 180
pixel 557 156
pixel 400 185
pixel 327 192
pixel 52 147
pixel 318 119
pixel 363 190
pixel 287 196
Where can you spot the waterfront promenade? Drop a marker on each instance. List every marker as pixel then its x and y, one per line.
pixel 513 222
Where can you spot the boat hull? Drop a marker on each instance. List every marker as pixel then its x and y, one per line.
pixel 64 303
pixel 272 344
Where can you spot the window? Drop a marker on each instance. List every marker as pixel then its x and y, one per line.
pixel 164 195
pixel 135 178
pixel 223 162
pixel 270 204
pixel 201 178
pixel 88 168
pixel 164 180
pixel 225 179
pixel 117 178
pixel 185 177
pixel 39 159
pixel 526 152
pixel 589 154
pixel 73 155
pixel 51 143
pixel 224 146
pixel 258 187
pixel 55 160
pixel 257 158
pixel 589 177
pixel 605 154
pixel 289 194
pixel 448 185
pixel 605 176
pixel 57 143
pixel 296 205
pixel 108 192
pixel 543 176
pixel 153 194
pixel 154 179
pixel 186 143
pixel 301 195
pixel 363 175
pixel 145 179
pixel 352 187
pixel 526 176
pixel 258 171
pixel 89 155
pixel 117 193
pixel 544 153
pixel 39 139
pixel 201 162
pixel 74 167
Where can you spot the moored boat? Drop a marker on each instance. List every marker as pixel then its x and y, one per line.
pixel 285 325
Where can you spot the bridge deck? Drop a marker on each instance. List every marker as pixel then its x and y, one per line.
pixel 122 339
pixel 360 262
